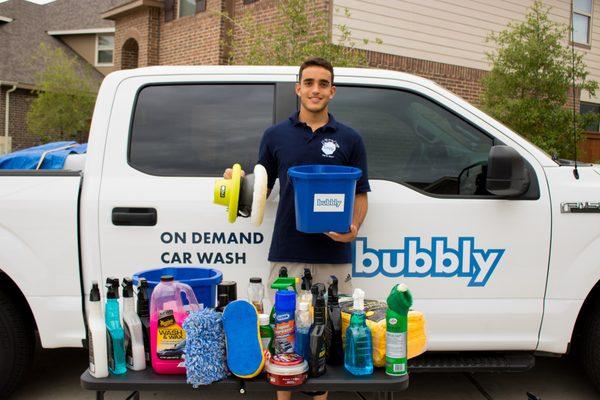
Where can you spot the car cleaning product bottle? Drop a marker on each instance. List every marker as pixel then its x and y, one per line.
pixel 396 318
pixel 285 329
pixel 256 293
pixel 302 330
pixel 358 356
pixel 135 356
pixel 167 313
pixel 317 358
pixel 335 348
pixel 305 295
pixel 222 302
pixel 283 274
pixel 96 335
pixel 266 333
pixel 143 311
pixel 114 331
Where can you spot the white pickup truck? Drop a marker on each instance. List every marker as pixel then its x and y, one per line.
pixel 499 243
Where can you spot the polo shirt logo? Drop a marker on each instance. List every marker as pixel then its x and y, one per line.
pixel 329 147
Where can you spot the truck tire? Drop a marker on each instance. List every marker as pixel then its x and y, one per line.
pixel 17 344
pixel 590 343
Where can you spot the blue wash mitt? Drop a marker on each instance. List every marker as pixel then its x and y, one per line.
pixel 205 361
pixel 245 356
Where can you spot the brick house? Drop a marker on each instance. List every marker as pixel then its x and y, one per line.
pixel 75 26
pixel 440 40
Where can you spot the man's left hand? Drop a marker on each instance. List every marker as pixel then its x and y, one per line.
pixel 344 237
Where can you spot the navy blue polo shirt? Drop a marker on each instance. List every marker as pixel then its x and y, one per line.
pixel 292 143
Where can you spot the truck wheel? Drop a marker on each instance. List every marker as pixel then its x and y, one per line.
pixel 590 343
pixel 17 344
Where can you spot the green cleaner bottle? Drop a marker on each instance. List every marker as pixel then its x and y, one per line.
pixel 396 318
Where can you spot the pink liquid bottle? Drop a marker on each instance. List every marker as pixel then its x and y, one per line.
pixel 167 313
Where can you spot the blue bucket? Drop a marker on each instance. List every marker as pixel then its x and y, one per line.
pixel 203 281
pixel 324 197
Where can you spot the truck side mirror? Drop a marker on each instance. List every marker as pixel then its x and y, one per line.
pixel 507 174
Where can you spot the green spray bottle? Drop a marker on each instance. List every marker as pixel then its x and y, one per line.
pixel 396 318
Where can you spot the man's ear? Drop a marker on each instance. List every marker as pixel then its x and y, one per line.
pixel 332 95
pixel 297 89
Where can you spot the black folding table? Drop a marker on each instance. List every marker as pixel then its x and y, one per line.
pixel 336 379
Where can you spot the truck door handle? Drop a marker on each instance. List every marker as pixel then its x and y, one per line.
pixel 134 216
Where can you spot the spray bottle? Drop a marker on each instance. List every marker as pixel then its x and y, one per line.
pixel 358 358
pixel 143 311
pixel 305 293
pixel 96 335
pixel 316 361
pixel 132 326
pixel 114 331
pixel 396 318
pixel 335 346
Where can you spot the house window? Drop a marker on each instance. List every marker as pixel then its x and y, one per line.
pixel 591 108
pixel 582 21
pixel 105 45
pixel 187 7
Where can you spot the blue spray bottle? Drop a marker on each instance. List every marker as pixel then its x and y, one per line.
pixel 358 358
pixel 114 331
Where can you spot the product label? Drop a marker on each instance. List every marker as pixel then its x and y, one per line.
pixel 284 333
pixel 395 345
pixel 128 350
pixel 91 353
pixel 329 202
pixel 170 338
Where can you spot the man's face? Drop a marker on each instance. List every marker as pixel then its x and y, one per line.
pixel 315 89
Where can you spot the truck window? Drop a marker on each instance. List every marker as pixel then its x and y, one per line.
pixel 198 130
pixel 414 141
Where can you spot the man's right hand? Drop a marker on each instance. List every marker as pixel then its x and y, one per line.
pixel 228 172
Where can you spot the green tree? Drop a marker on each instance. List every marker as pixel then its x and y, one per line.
pixel 66 94
pixel 531 78
pixel 302 30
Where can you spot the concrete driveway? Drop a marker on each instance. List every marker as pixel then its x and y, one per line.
pixel 56 376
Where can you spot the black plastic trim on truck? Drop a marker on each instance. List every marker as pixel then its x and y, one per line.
pixel 191 83
pixel 38 172
pixel 533 192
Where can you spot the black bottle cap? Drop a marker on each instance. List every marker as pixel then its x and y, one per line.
pixel 229 288
pixel 306 280
pixel 143 301
pixel 112 284
pixel 332 291
pixel 318 292
pixel 127 286
pixel 283 272
pixel 255 280
pixel 166 278
pixel 95 292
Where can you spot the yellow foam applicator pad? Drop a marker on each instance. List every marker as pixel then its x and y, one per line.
pixel 259 196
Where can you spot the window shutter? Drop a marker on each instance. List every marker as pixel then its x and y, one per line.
pixel 200 6
pixel 169 10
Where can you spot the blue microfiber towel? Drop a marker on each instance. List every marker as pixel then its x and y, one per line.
pixel 204 347
pixel 245 356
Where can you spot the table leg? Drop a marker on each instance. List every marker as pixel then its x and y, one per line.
pixel 99 395
pixel 133 396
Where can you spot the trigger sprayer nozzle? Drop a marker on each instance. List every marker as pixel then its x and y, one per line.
pixel 359 299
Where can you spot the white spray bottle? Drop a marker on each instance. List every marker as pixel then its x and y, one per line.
pixel 135 356
pixel 96 335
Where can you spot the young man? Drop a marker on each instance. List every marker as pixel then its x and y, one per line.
pixel 312 136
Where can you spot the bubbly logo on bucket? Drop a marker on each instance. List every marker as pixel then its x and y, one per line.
pixel 328 202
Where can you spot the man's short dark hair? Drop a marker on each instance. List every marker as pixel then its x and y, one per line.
pixel 316 62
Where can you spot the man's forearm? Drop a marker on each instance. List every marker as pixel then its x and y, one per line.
pixel 361 204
